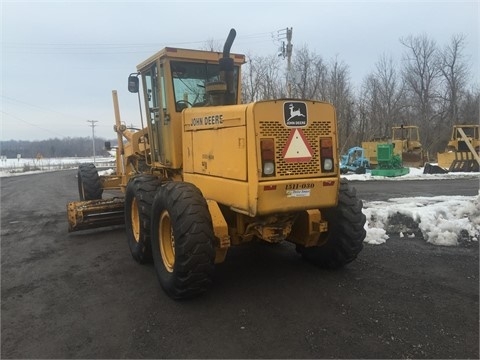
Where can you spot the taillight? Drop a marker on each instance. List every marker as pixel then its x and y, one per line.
pixel 326 154
pixel 267 149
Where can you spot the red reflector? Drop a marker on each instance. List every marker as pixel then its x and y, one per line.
pixel 329 183
pixel 326 148
pixel 324 143
pixel 268 149
pixel 269 187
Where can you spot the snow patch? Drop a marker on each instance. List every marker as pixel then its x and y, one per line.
pixel 442 220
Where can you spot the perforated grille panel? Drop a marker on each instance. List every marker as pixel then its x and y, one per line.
pixel 280 133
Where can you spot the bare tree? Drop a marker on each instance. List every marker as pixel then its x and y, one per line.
pixel 212 45
pixel 310 75
pixel 469 108
pixel 251 79
pixel 261 79
pixel 272 81
pixel 455 72
pixel 421 74
pixel 339 93
pixel 383 99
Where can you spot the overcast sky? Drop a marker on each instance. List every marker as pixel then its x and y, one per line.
pixel 62 59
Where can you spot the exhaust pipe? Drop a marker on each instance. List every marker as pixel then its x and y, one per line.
pixel 228 43
pixel 226 69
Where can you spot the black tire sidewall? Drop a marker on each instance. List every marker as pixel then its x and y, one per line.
pixel 89 184
pixel 143 188
pixel 345 235
pixel 160 204
pixel 170 197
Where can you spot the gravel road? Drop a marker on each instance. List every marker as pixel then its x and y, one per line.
pixel 81 295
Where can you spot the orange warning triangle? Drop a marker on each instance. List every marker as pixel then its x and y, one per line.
pixel 297 148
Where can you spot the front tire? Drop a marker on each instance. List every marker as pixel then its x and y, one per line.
pixel 138 204
pixel 89 184
pixel 182 240
pixel 344 239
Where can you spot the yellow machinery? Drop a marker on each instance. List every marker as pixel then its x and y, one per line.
pixel 207 172
pixel 463 149
pixel 406 144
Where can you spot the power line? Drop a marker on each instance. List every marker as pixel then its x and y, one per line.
pixel 115 48
pixel 40 107
pixel 31 124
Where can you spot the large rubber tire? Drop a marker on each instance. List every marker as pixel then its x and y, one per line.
pixel 89 184
pixel 182 240
pixel 139 197
pixel 344 239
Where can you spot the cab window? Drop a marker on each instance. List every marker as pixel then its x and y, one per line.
pixel 189 80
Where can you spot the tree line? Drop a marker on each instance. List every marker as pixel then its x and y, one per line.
pixel 430 87
pixel 52 148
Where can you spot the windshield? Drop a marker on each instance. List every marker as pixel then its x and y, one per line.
pixel 189 80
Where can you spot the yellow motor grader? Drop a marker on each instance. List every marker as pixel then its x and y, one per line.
pixel 208 172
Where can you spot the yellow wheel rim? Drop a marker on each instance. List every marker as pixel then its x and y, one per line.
pixel 135 220
pixel 166 241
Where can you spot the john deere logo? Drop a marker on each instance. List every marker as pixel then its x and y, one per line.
pixel 295 114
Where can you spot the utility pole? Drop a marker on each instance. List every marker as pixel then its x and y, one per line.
pixel 286 51
pixel 92 125
pixel 289 62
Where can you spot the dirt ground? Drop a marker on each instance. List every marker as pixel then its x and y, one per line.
pixel 81 295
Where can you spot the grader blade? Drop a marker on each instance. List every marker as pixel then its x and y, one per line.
pixel 83 215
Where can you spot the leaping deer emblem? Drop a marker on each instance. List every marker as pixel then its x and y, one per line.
pixel 294 113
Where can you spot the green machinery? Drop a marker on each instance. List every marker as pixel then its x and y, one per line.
pixel 389 164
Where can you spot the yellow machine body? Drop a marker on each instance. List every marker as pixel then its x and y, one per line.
pixel 463 149
pixel 266 169
pixel 228 168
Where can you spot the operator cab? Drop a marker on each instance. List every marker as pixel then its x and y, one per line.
pixel 175 79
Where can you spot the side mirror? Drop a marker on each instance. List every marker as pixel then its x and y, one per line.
pixel 133 83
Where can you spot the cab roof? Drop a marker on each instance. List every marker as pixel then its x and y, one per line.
pixel 189 54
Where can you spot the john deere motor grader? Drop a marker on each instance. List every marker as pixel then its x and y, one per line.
pixel 208 172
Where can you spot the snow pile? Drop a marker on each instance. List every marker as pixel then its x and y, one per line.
pixel 414 174
pixel 442 220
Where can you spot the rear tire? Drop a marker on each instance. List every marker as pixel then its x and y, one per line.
pixel 89 184
pixel 182 240
pixel 138 204
pixel 344 239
